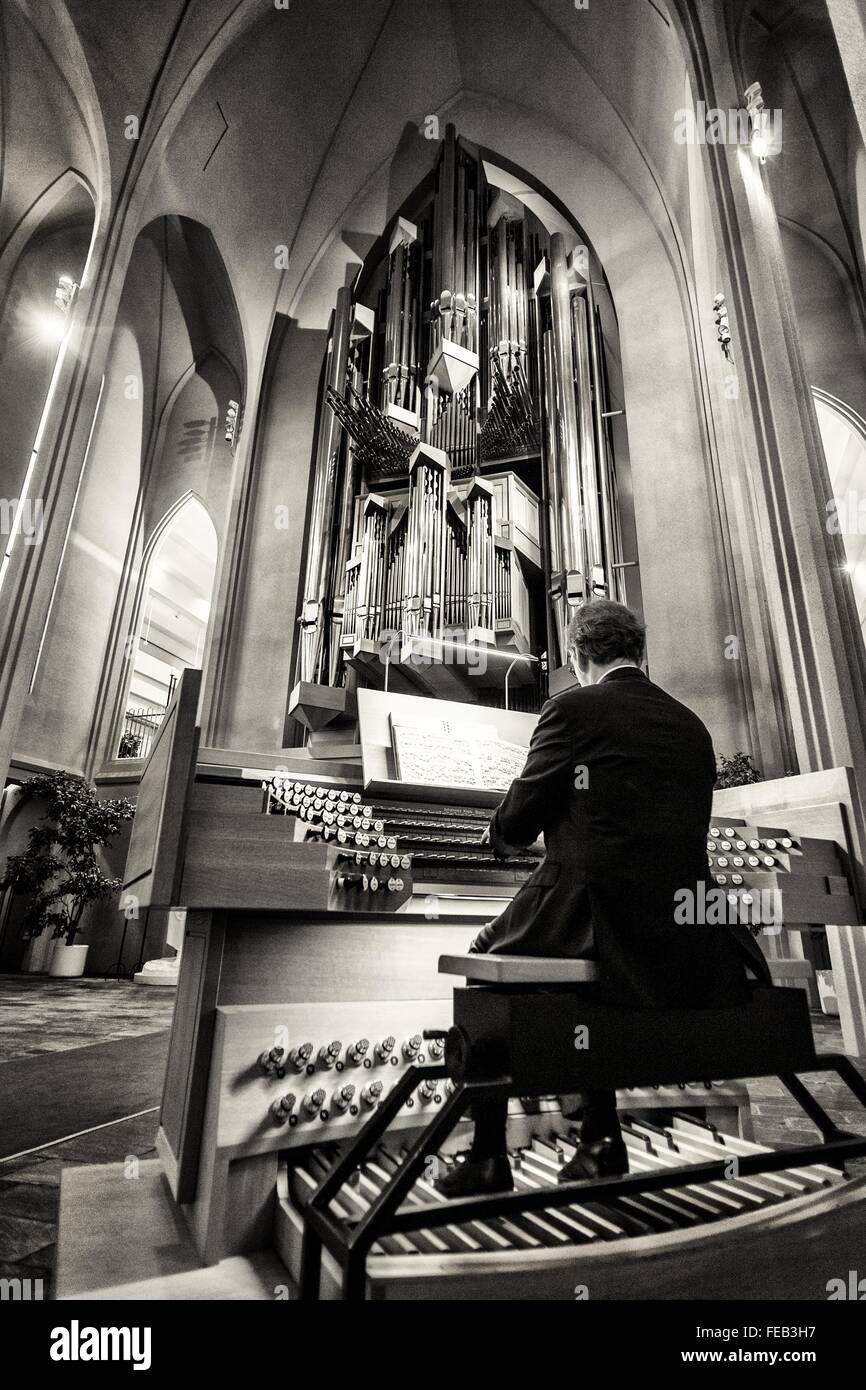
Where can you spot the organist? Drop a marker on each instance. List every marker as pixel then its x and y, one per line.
pixel 619 780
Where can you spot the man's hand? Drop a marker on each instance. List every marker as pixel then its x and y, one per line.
pixel 504 851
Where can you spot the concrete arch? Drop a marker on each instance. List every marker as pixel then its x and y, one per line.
pixel 56 30
pixel 39 210
pixel 175 604
pixel 169 518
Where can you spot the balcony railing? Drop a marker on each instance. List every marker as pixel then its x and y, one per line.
pixel 140 728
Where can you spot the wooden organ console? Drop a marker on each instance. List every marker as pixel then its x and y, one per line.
pixel 312 1016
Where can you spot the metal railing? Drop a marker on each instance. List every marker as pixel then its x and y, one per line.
pixel 140 727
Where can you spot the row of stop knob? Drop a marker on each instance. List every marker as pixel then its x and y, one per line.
pixel 726 838
pixel 278 1060
pixel 315 1103
pixel 369 883
pixel 290 788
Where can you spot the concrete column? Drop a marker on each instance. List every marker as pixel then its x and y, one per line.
pixel 31 574
pixel 811 617
pixel 848 18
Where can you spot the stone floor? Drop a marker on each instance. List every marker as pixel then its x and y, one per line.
pixel 38 1015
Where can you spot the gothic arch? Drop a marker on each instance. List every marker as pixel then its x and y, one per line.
pixel 172 611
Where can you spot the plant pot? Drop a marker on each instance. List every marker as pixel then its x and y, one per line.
pixel 67 962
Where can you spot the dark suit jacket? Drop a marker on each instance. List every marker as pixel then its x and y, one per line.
pixel 619 778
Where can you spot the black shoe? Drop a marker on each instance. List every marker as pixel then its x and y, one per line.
pixel 475 1177
pixel 605 1158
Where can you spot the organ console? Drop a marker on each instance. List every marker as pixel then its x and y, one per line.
pixel 317 1049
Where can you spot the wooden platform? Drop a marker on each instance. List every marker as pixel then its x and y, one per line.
pixel 121 1237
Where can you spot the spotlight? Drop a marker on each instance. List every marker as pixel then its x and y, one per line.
pixel 231 421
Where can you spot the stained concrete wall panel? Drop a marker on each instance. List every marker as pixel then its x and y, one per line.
pixel 265 631
pixel 56 721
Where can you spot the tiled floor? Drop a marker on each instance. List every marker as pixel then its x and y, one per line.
pixel 39 1015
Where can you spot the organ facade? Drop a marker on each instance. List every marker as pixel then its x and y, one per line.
pixel 464 491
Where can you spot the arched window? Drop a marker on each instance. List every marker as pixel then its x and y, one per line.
pixel 174 610
pixel 843 435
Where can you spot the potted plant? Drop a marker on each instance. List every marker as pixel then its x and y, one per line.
pixel 737 771
pixel 59 870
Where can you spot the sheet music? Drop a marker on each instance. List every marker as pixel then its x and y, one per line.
pixel 437 753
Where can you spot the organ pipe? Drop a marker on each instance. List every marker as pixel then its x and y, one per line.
pixel 319 569
pixel 574 559
pixel 554 491
pixel 589 465
pixel 610 518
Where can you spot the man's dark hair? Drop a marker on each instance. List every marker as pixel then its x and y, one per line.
pixel 604 631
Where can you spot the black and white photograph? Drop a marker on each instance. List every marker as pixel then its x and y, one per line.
pixel 432 673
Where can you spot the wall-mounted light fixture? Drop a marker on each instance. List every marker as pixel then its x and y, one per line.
pixel 723 329
pixel 52 324
pixel 65 293
pixel 759 123
pixel 232 421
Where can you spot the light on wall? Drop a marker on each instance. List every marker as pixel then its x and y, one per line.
pixel 65 293
pixel 723 329
pixel 759 121
pixel 53 323
pixel 232 421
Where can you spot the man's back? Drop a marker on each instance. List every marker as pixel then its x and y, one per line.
pixel 619 779
pixel 640 795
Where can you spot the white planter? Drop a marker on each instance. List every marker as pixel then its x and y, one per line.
pixel 827 992
pixel 67 962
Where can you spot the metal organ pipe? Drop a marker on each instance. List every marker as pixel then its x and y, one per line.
pixel 589 470
pixel 574 557
pixel 350 486
pixel 319 569
pixel 611 538
pixel 503 334
pixel 554 492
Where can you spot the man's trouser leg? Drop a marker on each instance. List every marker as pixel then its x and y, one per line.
pixel 597 1111
pixel 491 1119
pixel 599 1119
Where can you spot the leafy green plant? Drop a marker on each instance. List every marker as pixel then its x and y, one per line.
pixel 130 746
pixel 737 771
pixel 59 869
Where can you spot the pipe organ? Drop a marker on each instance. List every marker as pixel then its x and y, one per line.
pixel 465 375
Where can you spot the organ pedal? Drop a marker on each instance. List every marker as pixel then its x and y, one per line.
pixel 506 1041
